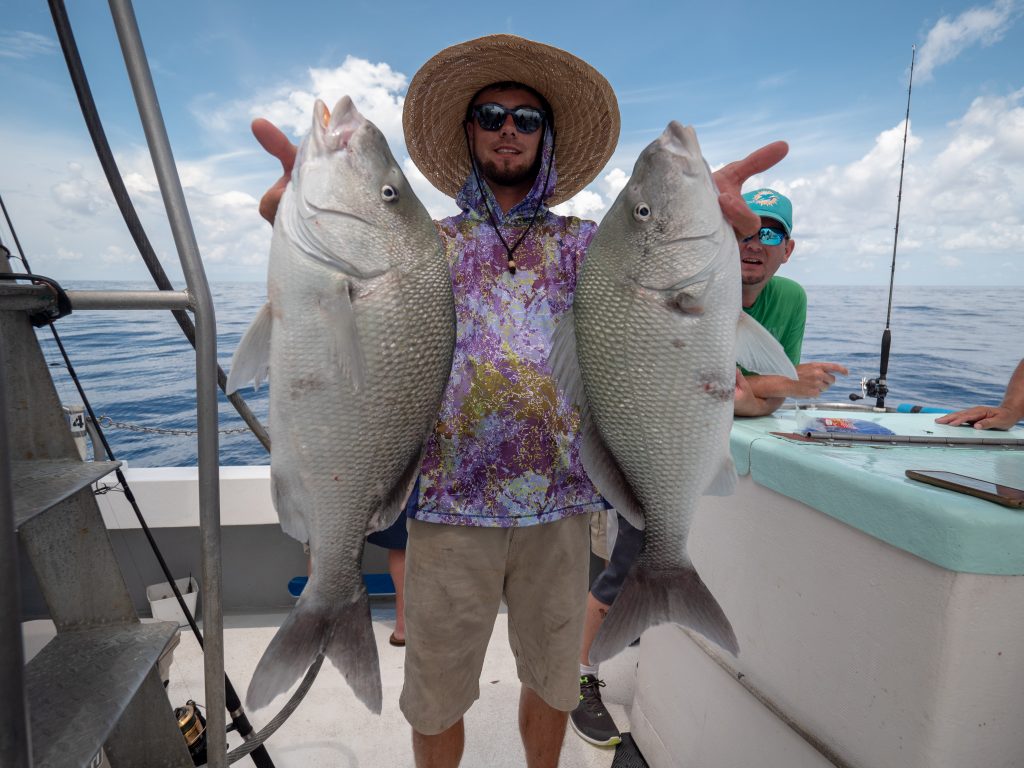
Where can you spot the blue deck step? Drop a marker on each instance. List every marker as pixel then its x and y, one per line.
pixel 376 584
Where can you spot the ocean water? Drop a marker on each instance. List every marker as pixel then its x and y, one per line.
pixel 951 347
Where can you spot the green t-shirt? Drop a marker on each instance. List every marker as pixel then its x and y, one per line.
pixel 782 310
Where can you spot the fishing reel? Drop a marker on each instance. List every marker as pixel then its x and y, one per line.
pixel 876 388
pixel 193 728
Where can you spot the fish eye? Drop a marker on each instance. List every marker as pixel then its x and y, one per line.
pixel 388 194
pixel 642 212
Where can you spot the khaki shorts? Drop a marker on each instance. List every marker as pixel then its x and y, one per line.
pixel 599 534
pixel 455 578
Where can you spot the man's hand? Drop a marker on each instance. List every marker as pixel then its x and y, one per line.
pixel 982 417
pixel 730 181
pixel 1009 412
pixel 815 378
pixel 276 143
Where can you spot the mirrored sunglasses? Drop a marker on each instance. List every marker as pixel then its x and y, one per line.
pixel 768 236
pixel 491 117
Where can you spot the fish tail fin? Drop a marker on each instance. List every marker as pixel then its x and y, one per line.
pixel 650 597
pixel 353 650
pixel 344 634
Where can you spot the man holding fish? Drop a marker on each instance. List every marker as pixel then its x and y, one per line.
pixel 508 127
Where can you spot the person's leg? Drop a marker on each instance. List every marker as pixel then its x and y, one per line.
pixel 544 589
pixel 396 567
pixel 453 583
pixel 591 719
pixel 596 611
pixel 442 750
pixel 542 728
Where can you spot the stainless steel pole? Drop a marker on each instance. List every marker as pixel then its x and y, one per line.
pixel 206 369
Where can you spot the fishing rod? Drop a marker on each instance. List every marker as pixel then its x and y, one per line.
pixel 878 388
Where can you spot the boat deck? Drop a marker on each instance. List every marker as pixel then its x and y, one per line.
pixel 331 728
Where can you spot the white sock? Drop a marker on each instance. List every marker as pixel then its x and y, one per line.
pixel 585 670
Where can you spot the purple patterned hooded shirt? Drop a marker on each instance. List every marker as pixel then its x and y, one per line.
pixel 505 450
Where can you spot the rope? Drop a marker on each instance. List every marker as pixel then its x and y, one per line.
pixel 106 421
pixel 256 741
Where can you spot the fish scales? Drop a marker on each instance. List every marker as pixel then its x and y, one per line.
pixel 649 354
pixel 358 333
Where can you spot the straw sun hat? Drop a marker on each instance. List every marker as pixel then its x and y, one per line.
pixel 586 111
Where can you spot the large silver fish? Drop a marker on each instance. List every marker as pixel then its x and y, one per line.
pixel 358 333
pixel 649 353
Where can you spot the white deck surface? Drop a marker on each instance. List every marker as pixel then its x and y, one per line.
pixel 331 728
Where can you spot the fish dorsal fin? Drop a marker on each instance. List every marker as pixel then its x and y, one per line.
pixel 344 347
pixel 759 351
pixel 251 361
pixel 724 481
pixel 601 466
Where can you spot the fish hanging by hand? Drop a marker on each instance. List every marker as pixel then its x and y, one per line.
pixel 649 354
pixel 358 334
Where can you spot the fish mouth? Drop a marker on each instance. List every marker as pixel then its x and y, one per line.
pixel 333 130
pixel 309 211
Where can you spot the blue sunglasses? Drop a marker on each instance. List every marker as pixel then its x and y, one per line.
pixel 768 236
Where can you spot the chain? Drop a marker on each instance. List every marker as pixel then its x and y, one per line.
pixel 106 421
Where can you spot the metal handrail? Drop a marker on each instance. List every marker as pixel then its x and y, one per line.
pixel 35 297
pixel 206 365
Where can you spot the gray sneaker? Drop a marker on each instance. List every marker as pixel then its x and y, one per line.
pixel 590 719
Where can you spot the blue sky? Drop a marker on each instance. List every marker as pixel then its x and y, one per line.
pixel 829 78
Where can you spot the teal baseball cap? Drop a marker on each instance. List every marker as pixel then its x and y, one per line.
pixel 773 205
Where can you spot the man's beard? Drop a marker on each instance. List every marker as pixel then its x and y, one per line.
pixel 510 177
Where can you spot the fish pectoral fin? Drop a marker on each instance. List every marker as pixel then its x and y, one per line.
pixel 690 300
pixel 601 466
pixel 604 471
pixel 759 351
pixel 564 363
pixel 395 501
pixel 288 495
pixel 339 323
pixel 724 481
pixel 251 361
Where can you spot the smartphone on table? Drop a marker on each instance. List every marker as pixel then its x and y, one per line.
pixel 972 486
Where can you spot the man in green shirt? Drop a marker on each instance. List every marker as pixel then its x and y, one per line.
pixel 780 305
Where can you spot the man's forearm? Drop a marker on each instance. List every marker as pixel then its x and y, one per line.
pixel 772 387
pixel 758 406
pixel 1013 400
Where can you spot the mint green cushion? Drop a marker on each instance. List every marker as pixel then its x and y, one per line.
pixel 865 487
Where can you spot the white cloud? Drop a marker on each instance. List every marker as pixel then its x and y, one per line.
pixel 24 45
pixel 950 37
pixel 585 204
pixel 78 194
pixel 613 182
pixel 437 203
pixel 115 254
pixel 376 89
pixel 960 202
